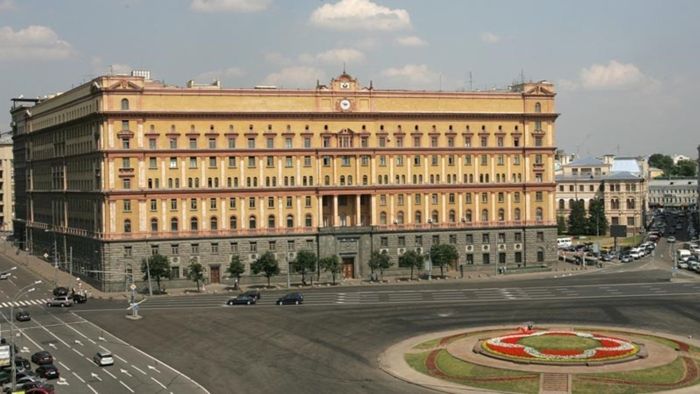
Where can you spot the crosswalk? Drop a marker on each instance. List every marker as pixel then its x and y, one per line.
pixel 25 303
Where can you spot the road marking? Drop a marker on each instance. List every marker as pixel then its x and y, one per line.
pixel 104 349
pixel 138 369
pixel 153 368
pixel 159 383
pixel 109 373
pixel 78 376
pixel 93 390
pixel 30 339
pixel 4 305
pixel 52 345
pixel 96 376
pixel 64 366
pixel 127 387
pixel 63 382
pixel 78 342
pixel 125 372
pixel 78 351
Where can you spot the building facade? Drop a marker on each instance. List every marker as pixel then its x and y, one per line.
pixel 7 201
pixel 123 167
pixel 673 193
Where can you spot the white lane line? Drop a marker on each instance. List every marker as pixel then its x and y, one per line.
pixel 78 376
pixel 121 359
pixel 4 304
pixel 22 303
pixel 151 367
pixel 159 383
pixel 30 339
pixel 67 325
pixel 93 390
pixel 127 387
pixel 109 373
pixel 96 376
pixel 57 337
pixel 64 366
pixel 78 351
pixel 104 349
pixel 138 369
pixel 93 342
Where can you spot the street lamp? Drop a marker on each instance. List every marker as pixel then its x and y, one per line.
pixel 25 290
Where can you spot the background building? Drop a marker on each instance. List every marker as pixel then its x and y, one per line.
pixel 7 201
pixel 123 167
pixel 673 193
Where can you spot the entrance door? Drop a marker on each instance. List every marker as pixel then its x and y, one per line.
pixel 348 267
pixel 214 275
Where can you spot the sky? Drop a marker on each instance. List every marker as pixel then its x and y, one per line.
pixel 626 72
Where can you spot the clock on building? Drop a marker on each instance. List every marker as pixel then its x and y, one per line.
pixel 345 104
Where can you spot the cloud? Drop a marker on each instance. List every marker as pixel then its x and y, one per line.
pixel 120 69
pixel 226 74
pixel 334 56
pixel 411 41
pixel 360 15
pixel 490 38
pixel 414 73
pixel 33 42
pixel 614 75
pixel 297 76
pixel 229 5
pixel 7 5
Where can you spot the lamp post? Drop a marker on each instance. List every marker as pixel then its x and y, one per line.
pixel 25 290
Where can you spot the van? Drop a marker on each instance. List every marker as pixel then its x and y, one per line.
pixel 682 255
pixel 563 242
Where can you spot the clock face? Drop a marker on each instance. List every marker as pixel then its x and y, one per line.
pixel 345 104
pixel 345 85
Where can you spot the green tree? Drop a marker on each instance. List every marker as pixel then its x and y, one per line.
pixel 379 261
pixel 267 264
pixel 159 267
pixel 443 254
pixel 662 162
pixel 561 225
pixel 577 219
pixel 685 168
pixel 195 272
pixel 305 262
pixel 331 264
pixel 597 222
pixel 411 259
pixel 235 268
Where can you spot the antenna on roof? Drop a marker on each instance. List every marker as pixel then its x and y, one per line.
pixel 470 81
pixel 522 76
pixel 343 67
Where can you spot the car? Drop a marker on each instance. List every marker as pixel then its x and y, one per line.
pixel 22 315
pixel 22 364
pixel 60 291
pixel 683 265
pixel 291 299
pixel 241 299
pixel 671 239
pixel 41 389
pixel 60 301
pixel 5 275
pixel 253 293
pixel 79 298
pixel 626 258
pixel 48 371
pixel 41 358
pixel 607 257
pixel 103 358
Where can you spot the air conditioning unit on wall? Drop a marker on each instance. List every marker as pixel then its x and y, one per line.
pixel 400 251
pixel 384 250
pixel 501 246
pixel 470 248
pixel 253 256
pixel 517 246
pixel 485 248
pixel 419 250
pixel 175 260
pixel 291 255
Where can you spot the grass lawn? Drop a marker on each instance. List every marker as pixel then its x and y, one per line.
pixel 609 242
pixel 559 342
pixel 428 344
pixel 461 371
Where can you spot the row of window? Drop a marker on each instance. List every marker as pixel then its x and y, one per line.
pixel 614 203
pixel 194 248
pixel 214 223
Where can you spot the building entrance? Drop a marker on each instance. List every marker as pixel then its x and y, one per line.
pixel 348 267
pixel 214 274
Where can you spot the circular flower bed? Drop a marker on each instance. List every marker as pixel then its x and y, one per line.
pixel 555 347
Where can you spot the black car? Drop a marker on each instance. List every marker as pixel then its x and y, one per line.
pixel 241 299
pixel 60 291
pixel 22 364
pixel 22 316
pixel 253 293
pixel 48 371
pixel 41 358
pixel 291 299
pixel 79 298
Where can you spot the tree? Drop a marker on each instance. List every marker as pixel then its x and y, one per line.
pixel 561 225
pixel 195 272
pixel 331 264
pixel 379 261
pixel 235 268
pixel 305 262
pixel 159 267
pixel 267 264
pixel 577 218
pixel 597 222
pixel 411 259
pixel 685 168
pixel 443 254
pixel 661 161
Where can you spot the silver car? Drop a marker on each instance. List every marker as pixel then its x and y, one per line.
pixel 60 301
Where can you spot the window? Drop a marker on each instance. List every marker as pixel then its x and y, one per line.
pixel 290 221
pixel 486 258
pixel 538 214
pixel 152 163
pixel 173 162
pixel 172 142
pixel 154 205
pixel 195 249
pixel 213 223
pixel 127 226
pixel 485 238
pixel 212 162
pixel 251 143
pixel 307 142
pixel 308 220
pixel 194 224
pixel 193 143
pixel 125 125
pixel 126 183
pixel 470 259
pixel 126 205
pixel 173 224
pixel 126 162
pixel 154 225
pixel 152 143
pixel 125 105
pixel 125 143
pixel 384 242
pixel 540 236
pixel 127 251
pixel 540 255
pixel 231 142
pixel 453 239
pixel 485 215
pixel 154 250
pixel 538 107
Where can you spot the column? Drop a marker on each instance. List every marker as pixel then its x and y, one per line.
pixel 243 221
pixel 492 214
pixel 373 210
pixel 335 171
pixel 319 217
pixel 358 210
pixel 442 169
pixel 391 170
pixel 408 161
pixel 460 210
pixel 443 208
pixel 527 206
pixel 336 219
pixel 509 207
pixel 300 220
pixel 392 216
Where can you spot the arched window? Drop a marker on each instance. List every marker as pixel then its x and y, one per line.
pixel 349 180
pixel 342 180
pixel 213 223
pixel 418 217
pixel 127 226
pixel 173 224
pixel 538 214
pixel 308 221
pixel 233 222
pixel 125 104
pixel 194 224
pixel 364 180
pixel 468 216
pixel 516 214
pixel 485 215
pixel 251 222
pixel 290 221
pixel 540 254
pixel 538 107
pixel 571 203
pixel 630 203
pixel 154 225
pixel 501 214
pixel 434 216
pixel 452 216
pixel 271 221
pixel 327 180
pixel 562 204
pixel 399 217
pixel 382 218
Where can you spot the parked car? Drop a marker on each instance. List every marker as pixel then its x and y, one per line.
pixel 41 358
pixel 22 315
pixel 60 291
pixel 5 275
pixel 48 371
pixel 671 239
pixel 43 388
pixel 253 293
pixel 103 359
pixel 79 298
pixel 60 301
pixel 241 299
pixel 626 258
pixel 22 364
pixel 683 265
pixel 291 299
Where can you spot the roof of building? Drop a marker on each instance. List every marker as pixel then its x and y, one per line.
pixel 585 161
pixel 622 176
pixel 626 165
pixel 579 178
pixel 673 182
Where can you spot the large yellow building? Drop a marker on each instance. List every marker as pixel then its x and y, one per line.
pixel 123 167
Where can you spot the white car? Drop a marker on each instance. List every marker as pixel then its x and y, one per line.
pixel 103 359
pixel 5 275
pixel 683 265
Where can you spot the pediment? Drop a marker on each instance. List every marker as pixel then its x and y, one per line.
pixel 124 84
pixel 539 90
